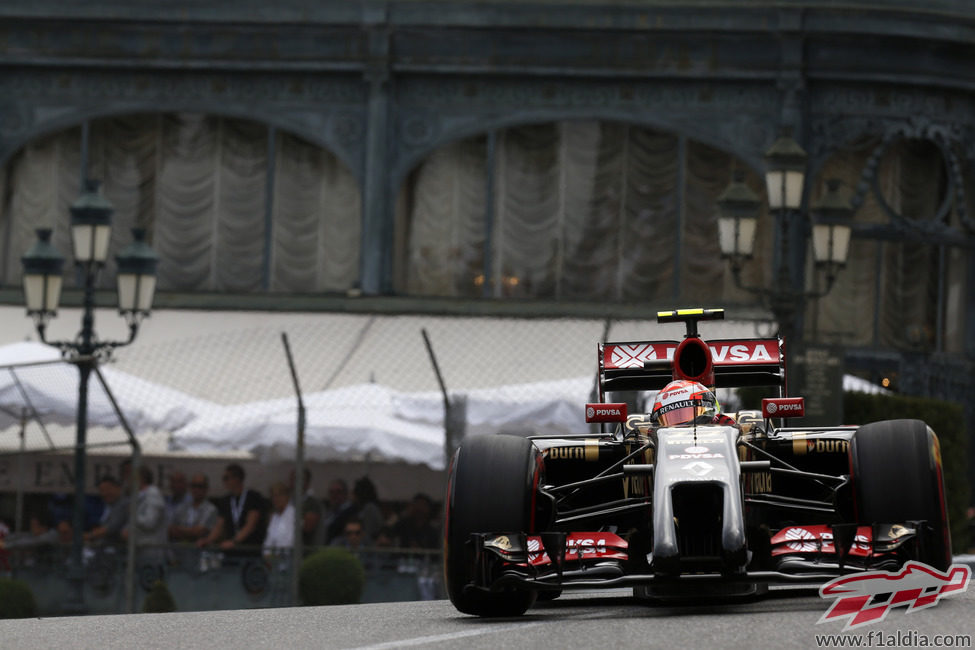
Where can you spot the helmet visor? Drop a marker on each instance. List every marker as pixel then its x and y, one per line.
pixel 684 413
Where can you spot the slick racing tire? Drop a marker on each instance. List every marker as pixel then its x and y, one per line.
pixel 491 486
pixel 897 478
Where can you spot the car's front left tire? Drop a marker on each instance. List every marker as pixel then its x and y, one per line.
pixel 897 478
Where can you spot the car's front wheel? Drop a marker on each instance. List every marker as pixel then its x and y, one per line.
pixel 491 485
pixel 897 478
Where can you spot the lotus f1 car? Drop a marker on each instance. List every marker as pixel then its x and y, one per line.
pixel 703 508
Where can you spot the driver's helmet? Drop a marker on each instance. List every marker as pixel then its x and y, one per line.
pixel 684 402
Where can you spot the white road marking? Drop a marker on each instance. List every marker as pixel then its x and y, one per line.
pixel 450 636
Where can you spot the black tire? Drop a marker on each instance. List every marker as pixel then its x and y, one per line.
pixel 897 477
pixel 490 488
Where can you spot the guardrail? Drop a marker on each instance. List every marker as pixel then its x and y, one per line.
pixel 207 579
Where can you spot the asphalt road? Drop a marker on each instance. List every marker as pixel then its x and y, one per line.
pixel 784 619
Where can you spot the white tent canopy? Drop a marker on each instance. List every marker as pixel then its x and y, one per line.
pixel 350 423
pixel 49 387
pixel 375 422
pixel 548 407
pixel 379 402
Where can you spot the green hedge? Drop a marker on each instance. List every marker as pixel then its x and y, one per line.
pixel 948 421
pixel 16 599
pixel 159 599
pixel 331 576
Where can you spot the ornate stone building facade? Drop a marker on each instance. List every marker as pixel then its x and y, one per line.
pixel 446 155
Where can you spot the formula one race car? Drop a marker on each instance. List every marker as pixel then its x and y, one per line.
pixel 688 501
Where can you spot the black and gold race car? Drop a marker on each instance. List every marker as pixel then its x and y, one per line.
pixel 719 505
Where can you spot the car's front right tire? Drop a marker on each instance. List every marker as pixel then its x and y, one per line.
pixel 491 487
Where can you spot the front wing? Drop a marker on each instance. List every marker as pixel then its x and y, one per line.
pixel 600 559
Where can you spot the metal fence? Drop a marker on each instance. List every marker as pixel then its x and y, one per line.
pixel 201 579
pixel 512 375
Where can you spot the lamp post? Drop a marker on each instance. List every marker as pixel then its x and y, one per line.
pixel 738 222
pixel 43 265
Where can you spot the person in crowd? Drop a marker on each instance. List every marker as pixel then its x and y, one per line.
pixel 178 494
pixel 353 535
pixel 355 540
pixel 65 532
pixel 61 507
pixel 385 538
pixel 149 527
pixel 241 520
pixel 281 527
pixel 339 509
pixel 312 525
pixel 33 546
pixel 415 528
pixel 194 520
pixel 125 475
pixel 115 513
pixel 41 532
pixel 367 507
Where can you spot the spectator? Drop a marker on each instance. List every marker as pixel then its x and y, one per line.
pixel 41 533
pixel 353 535
pixel 150 519
pixel 355 540
pixel 384 538
pixel 35 546
pixel 414 529
pixel 61 507
pixel 125 475
pixel 65 532
pixel 178 495
pixel 281 528
pixel 367 507
pixel 241 514
pixel 115 513
pixel 312 525
pixel 194 520
pixel 339 509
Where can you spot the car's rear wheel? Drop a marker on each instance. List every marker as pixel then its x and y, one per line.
pixel 897 478
pixel 491 486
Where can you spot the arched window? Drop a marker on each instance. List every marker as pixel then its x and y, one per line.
pixel 575 210
pixel 230 204
pixel 901 288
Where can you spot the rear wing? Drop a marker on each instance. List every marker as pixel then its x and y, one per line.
pixel 651 365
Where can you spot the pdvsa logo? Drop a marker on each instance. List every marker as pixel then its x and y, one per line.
pixel 608 412
pixel 783 407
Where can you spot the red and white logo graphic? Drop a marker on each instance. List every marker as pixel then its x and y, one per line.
pixel 581 546
pixel 801 539
pixel 606 412
pixel 783 407
pixel 631 356
pixel 818 539
pixel 916 586
pixel 723 353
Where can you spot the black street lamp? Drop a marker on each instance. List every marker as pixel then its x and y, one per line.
pixel 90 232
pixel 738 220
